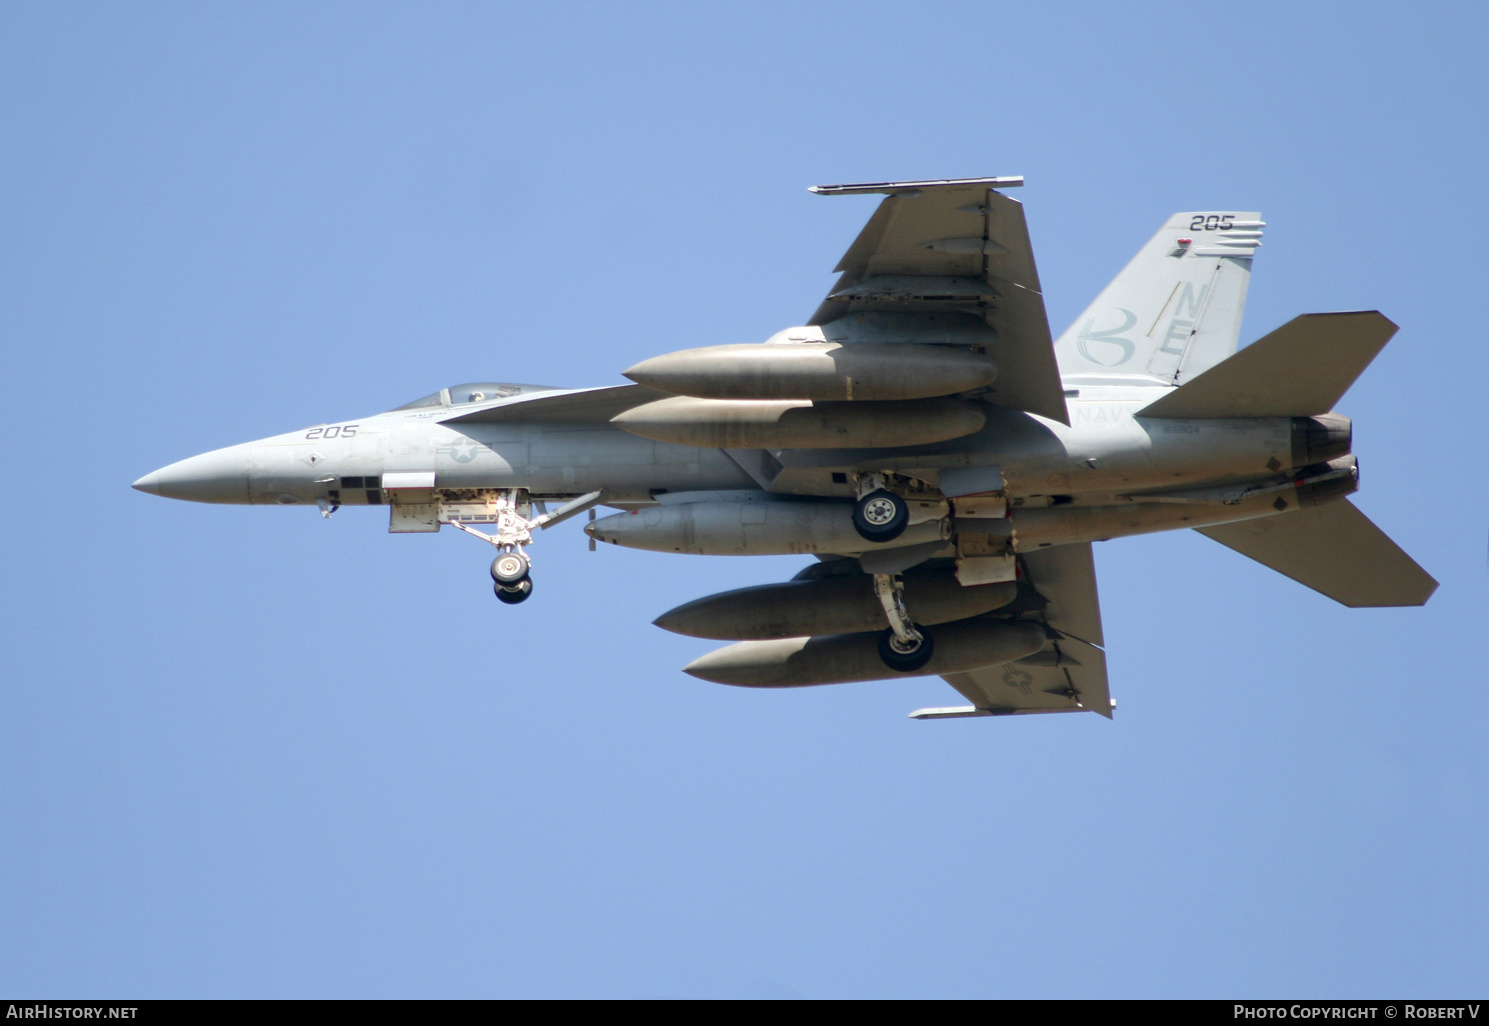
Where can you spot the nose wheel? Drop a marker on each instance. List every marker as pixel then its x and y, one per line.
pixel 516 593
pixel 510 571
pixel 509 568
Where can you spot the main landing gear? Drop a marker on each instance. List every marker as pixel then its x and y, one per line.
pixel 905 647
pixel 906 656
pixel 879 515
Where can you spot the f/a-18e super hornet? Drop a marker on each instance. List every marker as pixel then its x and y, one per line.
pixel 947 465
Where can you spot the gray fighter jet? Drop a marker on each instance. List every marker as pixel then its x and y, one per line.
pixel 946 463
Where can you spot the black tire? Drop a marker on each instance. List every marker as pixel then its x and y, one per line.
pixel 880 516
pixel 509 568
pixel 906 662
pixel 515 593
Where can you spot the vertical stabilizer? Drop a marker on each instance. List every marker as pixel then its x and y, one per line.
pixel 1175 310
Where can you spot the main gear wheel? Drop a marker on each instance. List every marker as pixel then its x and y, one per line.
pixel 881 516
pixel 906 656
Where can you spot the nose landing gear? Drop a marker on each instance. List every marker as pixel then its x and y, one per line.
pixel 511 570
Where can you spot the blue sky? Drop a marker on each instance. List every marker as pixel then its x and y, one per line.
pixel 246 752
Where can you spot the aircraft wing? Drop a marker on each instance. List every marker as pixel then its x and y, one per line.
pixel 1070 674
pixel 937 251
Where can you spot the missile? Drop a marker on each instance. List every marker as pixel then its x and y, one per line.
pixel 801 424
pixel 845 658
pixel 764 527
pixel 830 605
pixel 817 370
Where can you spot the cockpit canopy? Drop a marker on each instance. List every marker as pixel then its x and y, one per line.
pixel 474 392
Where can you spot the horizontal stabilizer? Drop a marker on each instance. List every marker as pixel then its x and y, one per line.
pixel 1333 549
pixel 1300 370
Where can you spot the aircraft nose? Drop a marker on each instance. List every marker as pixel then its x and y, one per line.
pixel 219 476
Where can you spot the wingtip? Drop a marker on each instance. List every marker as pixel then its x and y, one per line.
pixel 992 182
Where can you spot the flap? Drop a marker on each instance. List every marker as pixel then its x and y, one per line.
pixel 1066 576
pixel 1070 674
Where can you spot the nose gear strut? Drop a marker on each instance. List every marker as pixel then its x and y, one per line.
pixel 512 569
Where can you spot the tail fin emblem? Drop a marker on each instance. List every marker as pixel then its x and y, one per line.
pixel 1111 336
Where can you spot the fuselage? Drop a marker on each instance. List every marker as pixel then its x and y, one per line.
pixel 1109 456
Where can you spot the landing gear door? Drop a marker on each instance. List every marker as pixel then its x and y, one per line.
pixel 412 506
